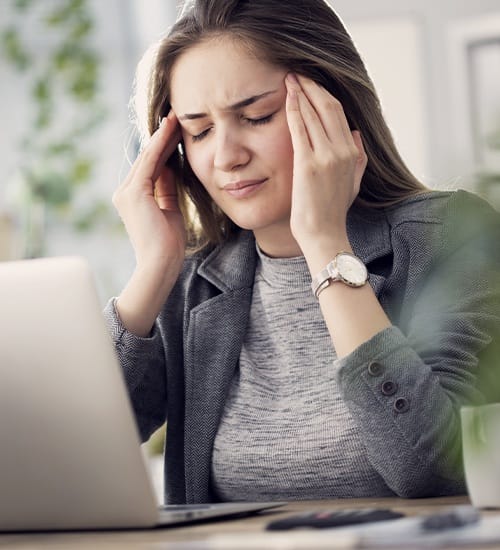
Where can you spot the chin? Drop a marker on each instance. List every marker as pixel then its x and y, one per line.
pixel 257 217
pixel 250 224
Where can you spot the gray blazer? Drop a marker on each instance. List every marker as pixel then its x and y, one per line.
pixel 434 264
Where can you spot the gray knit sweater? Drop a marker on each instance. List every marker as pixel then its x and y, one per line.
pixel 286 432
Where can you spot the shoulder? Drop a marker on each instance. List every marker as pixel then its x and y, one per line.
pixel 456 215
pixel 438 206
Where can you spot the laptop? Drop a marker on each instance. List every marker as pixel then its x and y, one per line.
pixel 70 454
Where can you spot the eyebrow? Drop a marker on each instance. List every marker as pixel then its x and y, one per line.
pixel 234 107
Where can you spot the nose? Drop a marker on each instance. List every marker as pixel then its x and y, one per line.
pixel 231 151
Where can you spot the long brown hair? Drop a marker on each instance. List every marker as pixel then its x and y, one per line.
pixel 303 36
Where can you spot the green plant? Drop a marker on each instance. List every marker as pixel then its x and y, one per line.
pixel 58 156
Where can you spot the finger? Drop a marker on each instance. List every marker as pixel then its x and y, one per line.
pixel 329 110
pixel 298 132
pixel 311 120
pixel 361 162
pixel 153 157
pixel 362 159
pixel 166 191
pixel 140 159
pixel 173 141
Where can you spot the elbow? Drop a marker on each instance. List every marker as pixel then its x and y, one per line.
pixel 429 487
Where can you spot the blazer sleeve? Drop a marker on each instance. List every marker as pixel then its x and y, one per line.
pixel 143 366
pixel 405 388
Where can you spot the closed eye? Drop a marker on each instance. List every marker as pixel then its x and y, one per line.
pixel 200 136
pixel 251 121
pixel 257 121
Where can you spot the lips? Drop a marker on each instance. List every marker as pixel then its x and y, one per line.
pixel 244 188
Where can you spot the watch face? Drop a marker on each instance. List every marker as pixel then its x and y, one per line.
pixel 351 269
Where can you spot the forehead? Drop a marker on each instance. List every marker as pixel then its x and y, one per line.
pixel 217 73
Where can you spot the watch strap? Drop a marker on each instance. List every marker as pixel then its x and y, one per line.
pixel 321 281
pixel 330 274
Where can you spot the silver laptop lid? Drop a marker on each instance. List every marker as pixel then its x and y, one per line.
pixel 69 448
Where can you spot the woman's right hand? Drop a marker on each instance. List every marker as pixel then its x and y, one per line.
pixel 147 204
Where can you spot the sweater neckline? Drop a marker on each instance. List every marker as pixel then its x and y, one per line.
pixel 279 272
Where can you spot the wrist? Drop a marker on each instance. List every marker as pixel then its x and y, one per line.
pixel 159 262
pixel 320 252
pixel 143 297
pixel 156 280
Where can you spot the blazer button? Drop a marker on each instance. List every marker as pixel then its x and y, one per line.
pixel 401 405
pixel 375 369
pixel 389 388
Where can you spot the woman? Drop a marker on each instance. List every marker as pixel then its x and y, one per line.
pixel 273 388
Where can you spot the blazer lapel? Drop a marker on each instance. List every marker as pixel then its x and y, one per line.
pixel 216 331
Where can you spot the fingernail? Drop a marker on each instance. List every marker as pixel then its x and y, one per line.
pixel 163 121
pixel 292 79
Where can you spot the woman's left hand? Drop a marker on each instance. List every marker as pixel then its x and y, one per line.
pixel 329 162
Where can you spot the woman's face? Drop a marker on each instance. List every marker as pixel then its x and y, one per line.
pixel 231 108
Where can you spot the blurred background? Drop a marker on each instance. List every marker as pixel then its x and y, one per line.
pixel 66 140
pixel 66 75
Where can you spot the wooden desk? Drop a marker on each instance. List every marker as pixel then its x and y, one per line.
pixel 187 537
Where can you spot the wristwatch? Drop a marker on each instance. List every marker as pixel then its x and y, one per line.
pixel 346 268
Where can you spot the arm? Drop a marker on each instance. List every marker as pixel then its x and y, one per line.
pixel 413 435
pixel 329 162
pixel 143 365
pixel 147 204
pixel 411 430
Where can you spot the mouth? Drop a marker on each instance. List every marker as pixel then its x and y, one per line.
pixel 244 188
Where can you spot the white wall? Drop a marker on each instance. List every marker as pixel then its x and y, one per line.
pixel 403 98
pixel 436 104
